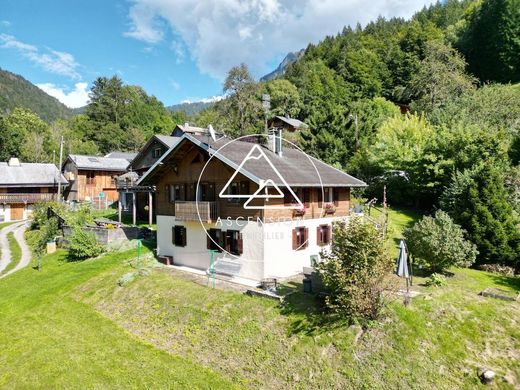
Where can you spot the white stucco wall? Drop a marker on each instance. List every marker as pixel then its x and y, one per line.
pixel 280 259
pixel 196 255
pixel 267 248
pixel 5 212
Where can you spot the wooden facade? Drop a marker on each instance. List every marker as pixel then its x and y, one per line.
pixel 88 184
pixel 176 192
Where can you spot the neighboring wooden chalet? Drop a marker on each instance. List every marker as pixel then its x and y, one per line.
pixel 143 197
pixel 286 123
pixel 236 207
pixel 24 184
pixel 93 178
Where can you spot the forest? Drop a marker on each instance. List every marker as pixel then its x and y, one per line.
pixel 428 107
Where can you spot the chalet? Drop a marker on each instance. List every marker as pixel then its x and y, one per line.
pixel 260 211
pixel 286 123
pixel 24 184
pixel 93 178
pixel 143 197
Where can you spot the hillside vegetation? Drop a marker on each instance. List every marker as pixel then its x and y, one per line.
pixel 15 91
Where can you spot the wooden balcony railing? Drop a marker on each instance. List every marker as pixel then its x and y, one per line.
pixel 26 198
pixel 187 211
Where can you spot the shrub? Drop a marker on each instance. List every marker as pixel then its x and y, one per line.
pixel 438 243
pixel 436 280
pixel 83 245
pixel 498 269
pixel 354 269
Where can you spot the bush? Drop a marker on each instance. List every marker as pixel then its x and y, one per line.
pixel 83 245
pixel 436 280
pixel 40 213
pixel 438 243
pixel 498 269
pixel 354 270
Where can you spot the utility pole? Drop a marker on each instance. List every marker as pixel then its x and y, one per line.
pixel 59 169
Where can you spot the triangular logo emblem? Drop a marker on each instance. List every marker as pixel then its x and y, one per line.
pixel 256 153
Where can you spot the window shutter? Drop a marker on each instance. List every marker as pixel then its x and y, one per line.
pixel 240 244
pixel 294 239
pixel 182 195
pixel 183 236
pixel 318 235
pixel 329 234
pixel 306 237
pixel 173 235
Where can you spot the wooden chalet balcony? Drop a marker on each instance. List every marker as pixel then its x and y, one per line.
pixel 26 198
pixel 187 211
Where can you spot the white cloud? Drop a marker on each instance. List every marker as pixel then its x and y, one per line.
pixel 220 34
pixel 5 23
pixel 78 97
pixel 53 61
pixel 211 99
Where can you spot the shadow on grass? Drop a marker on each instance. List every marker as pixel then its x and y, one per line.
pixel 512 282
pixel 307 312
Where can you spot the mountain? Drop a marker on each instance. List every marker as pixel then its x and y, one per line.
pixel 15 91
pixel 280 70
pixel 190 108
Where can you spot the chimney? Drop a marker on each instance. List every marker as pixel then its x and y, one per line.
pixel 274 141
pixel 14 162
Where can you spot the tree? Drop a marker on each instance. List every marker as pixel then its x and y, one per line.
pixel 285 98
pixel 23 134
pixel 439 243
pixel 354 270
pixel 478 200
pixel 440 78
pixel 243 103
pixel 490 42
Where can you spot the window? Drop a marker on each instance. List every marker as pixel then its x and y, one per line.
pixel 179 235
pixel 90 177
pixel 335 196
pixel 300 237
pixel 216 238
pixel 233 242
pixel 306 197
pixel 156 153
pixel 207 192
pixel 233 189
pixel 177 192
pixel 323 234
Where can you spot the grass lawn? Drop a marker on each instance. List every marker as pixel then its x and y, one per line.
pixel 5 224
pixel 71 326
pixel 50 340
pixel 16 252
pixel 440 341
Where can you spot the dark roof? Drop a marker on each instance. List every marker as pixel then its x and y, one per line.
pixel 30 175
pixel 167 140
pixel 125 155
pixel 297 168
pixel 96 163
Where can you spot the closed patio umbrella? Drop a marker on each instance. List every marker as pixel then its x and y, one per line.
pixel 402 264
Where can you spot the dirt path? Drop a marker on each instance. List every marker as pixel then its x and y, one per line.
pixel 18 229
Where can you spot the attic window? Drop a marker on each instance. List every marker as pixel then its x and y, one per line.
pixel 93 159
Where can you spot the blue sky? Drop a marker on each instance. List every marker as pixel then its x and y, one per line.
pixel 176 49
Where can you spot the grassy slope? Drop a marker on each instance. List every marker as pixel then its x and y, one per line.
pixel 49 340
pixel 16 252
pixel 438 342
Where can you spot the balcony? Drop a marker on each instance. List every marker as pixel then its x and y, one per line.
pixel 187 211
pixel 26 198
